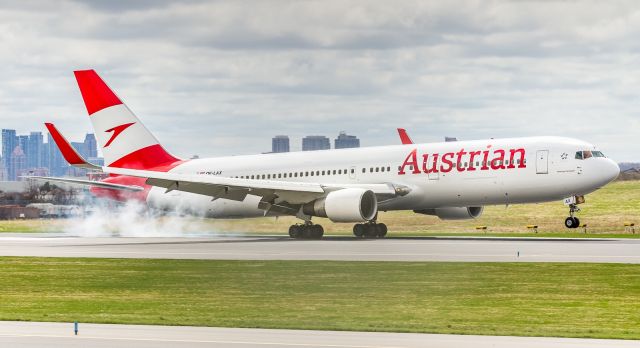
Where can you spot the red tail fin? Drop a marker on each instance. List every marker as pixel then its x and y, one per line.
pixel 125 141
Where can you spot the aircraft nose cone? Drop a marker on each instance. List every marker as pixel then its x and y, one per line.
pixel 611 170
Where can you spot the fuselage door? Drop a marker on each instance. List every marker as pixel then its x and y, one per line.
pixel 542 162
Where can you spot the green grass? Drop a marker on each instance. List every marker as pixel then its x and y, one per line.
pixel 530 299
pixel 605 212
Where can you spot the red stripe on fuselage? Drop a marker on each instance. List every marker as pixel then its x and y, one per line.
pixel 95 92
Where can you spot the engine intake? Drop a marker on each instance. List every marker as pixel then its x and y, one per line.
pixel 453 213
pixel 346 205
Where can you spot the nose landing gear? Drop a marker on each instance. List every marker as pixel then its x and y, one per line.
pixel 572 221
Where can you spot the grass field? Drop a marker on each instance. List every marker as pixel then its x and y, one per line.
pixel 544 299
pixel 604 212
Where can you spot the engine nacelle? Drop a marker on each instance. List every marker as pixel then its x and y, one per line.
pixel 453 213
pixel 346 205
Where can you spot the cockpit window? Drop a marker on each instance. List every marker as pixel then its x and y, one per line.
pixel 588 154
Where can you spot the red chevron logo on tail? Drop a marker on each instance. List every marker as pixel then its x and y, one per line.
pixel 116 131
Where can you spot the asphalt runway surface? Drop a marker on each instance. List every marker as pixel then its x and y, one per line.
pixel 33 334
pixel 331 248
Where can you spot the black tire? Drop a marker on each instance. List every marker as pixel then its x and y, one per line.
pixel 382 230
pixel 318 232
pixel 294 231
pixel 307 231
pixel 358 230
pixel 371 231
pixel 577 222
pixel 569 222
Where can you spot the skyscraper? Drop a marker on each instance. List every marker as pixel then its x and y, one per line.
pixel 91 145
pixel 344 141
pixel 315 142
pixel 57 165
pixel 18 162
pixel 280 143
pixel 9 142
pixel 34 155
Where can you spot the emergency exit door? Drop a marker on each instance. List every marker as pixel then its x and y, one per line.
pixel 542 162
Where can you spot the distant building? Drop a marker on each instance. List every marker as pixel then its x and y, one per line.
pixel 280 143
pixel 450 139
pixel 18 163
pixel 9 143
pixel 57 164
pixel 91 145
pixel 315 142
pixel 34 155
pixel 344 141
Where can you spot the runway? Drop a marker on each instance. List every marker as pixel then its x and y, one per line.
pixel 332 248
pixel 30 334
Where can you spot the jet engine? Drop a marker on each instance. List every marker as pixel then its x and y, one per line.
pixel 453 213
pixel 346 205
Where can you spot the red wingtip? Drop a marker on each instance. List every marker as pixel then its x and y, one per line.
pixel 404 137
pixel 68 152
pixel 96 94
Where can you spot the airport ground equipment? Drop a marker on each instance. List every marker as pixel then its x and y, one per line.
pixel 630 227
pixel 534 228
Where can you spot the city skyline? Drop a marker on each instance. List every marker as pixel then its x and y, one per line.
pixel 30 154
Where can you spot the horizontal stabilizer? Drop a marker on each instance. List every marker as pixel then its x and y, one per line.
pixel 132 188
pixel 68 152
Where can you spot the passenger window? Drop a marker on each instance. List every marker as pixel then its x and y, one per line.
pixel 353 171
pixel 339 171
pixel 377 169
pixel 371 170
pixel 323 172
pixel 317 172
pixel 388 169
pixel 364 170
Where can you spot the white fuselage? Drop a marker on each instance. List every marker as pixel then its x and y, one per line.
pixel 535 169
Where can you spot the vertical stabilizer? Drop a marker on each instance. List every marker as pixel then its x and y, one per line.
pixel 125 141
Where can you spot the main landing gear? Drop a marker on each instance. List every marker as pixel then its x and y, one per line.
pixel 306 231
pixel 370 230
pixel 572 221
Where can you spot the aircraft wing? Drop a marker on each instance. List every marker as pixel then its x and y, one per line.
pixel 100 184
pixel 271 191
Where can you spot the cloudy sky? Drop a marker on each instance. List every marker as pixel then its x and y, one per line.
pixel 223 77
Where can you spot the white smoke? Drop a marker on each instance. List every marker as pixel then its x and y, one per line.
pixel 134 219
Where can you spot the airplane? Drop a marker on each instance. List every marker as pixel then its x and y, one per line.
pixel 450 180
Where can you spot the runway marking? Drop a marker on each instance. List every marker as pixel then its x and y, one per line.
pixel 198 341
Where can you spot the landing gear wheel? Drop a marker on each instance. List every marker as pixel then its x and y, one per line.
pixel 382 230
pixel 371 231
pixel 358 230
pixel 295 231
pixel 570 222
pixel 577 222
pixel 316 231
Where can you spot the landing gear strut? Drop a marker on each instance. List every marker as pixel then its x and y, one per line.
pixel 572 221
pixel 306 231
pixel 370 229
